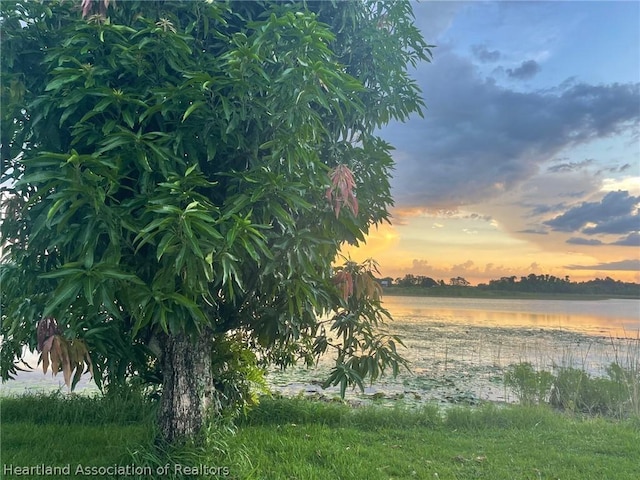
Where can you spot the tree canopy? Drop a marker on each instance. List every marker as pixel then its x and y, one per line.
pixel 189 170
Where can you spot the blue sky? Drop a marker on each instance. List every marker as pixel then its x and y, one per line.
pixel 528 158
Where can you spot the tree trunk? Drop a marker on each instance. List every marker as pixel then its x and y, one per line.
pixel 188 392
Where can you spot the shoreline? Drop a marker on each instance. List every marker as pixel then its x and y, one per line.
pixel 473 292
pixel 452 362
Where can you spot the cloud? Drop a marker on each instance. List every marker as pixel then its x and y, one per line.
pixel 570 166
pixel 631 240
pixel 622 265
pixel 628 183
pixel 525 71
pixel 616 213
pixel 618 225
pixel 584 241
pixel 434 21
pixel 477 216
pixel 542 209
pixel 479 139
pixel 400 215
pixel 533 231
pixel 481 53
pixel 614 169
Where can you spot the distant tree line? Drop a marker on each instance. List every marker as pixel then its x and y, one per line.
pixel 532 283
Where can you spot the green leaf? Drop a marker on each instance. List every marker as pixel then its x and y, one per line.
pixel 65 271
pixel 191 109
pixel 56 206
pixel 116 274
pixel 88 286
pixel 66 293
pixel 60 81
pixel 167 241
pixel 127 116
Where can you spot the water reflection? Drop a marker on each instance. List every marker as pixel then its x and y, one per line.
pixel 609 318
pixel 461 347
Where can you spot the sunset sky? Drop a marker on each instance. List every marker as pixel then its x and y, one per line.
pixel 528 158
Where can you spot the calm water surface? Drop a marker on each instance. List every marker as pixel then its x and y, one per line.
pixel 460 346
pixel 618 318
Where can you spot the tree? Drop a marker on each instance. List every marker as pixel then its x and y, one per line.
pixel 178 178
pixel 386 281
pixel 459 282
pixel 427 282
pixel 408 280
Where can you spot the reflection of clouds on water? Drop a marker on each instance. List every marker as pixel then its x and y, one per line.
pixel 459 348
pixel 610 318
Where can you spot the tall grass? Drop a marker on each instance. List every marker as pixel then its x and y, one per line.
pixel 595 382
pixel 627 354
pixel 68 409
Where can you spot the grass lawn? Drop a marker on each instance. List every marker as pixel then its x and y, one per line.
pixel 301 439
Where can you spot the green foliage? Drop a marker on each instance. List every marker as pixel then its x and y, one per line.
pixel 530 386
pixel 166 168
pixel 238 377
pixel 363 348
pixel 555 285
pixel 531 286
pixel 575 390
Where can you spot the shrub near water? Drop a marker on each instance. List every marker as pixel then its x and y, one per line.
pixel 531 387
pixel 575 390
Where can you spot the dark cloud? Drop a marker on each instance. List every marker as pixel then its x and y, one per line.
pixel 614 169
pixel 481 53
pixel 618 225
pixel 584 241
pixel 570 166
pixel 543 209
pixel 478 139
pixel 525 71
pixel 616 213
pixel 477 216
pixel 623 265
pixel 534 231
pixel 631 240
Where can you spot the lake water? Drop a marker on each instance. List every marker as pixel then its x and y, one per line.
pixel 459 347
pixel 618 318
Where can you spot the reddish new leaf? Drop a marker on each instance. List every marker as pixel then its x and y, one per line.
pixel 342 190
pixel 87 6
pixel 344 281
